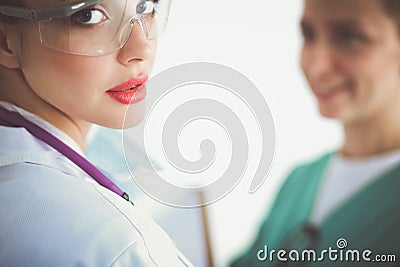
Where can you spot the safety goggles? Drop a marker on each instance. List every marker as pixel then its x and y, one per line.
pixel 94 27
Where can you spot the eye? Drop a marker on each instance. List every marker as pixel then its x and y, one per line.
pixel 348 36
pixel 307 33
pixel 145 7
pixel 349 39
pixel 89 16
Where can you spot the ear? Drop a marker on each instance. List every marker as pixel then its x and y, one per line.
pixel 8 58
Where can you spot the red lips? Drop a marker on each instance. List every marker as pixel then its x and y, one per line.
pixel 129 92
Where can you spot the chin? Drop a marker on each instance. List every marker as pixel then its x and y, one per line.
pixel 125 118
pixel 345 118
pixel 122 123
pixel 132 122
pixel 134 114
pixel 332 113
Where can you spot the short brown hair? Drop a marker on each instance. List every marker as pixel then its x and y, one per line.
pixel 10 2
pixel 392 7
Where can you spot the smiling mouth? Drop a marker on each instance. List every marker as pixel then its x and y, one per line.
pixel 332 93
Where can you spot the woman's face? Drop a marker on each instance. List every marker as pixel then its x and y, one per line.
pixel 351 58
pixel 77 85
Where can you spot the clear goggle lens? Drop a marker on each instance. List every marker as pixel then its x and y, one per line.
pixel 105 27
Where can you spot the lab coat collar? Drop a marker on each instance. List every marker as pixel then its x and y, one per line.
pixel 43 124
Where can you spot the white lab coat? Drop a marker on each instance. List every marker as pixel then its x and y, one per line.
pixel 53 214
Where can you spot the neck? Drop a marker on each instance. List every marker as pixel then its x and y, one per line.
pixel 25 98
pixel 374 136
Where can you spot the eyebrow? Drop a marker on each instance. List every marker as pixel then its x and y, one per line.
pixel 333 23
pixel 343 22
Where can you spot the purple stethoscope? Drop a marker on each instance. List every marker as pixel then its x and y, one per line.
pixel 11 119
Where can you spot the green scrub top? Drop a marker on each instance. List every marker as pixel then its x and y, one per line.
pixel 369 220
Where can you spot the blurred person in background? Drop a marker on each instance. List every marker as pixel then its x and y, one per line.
pixel 348 198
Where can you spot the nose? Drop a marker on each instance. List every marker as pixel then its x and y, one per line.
pixel 137 47
pixel 318 60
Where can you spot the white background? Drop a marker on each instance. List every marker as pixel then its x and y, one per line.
pixel 261 39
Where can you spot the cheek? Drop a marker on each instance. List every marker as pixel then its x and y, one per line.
pixel 376 80
pixel 150 62
pixel 383 73
pixel 49 70
pixel 57 76
pixel 303 60
pixel 304 64
pixel 76 85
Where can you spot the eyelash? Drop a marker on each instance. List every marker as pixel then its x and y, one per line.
pixel 75 17
pixel 154 10
pixel 307 34
pixel 349 36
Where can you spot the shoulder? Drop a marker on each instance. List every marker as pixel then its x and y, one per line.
pixel 302 181
pixel 294 200
pixel 308 171
pixel 54 214
pixel 55 217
